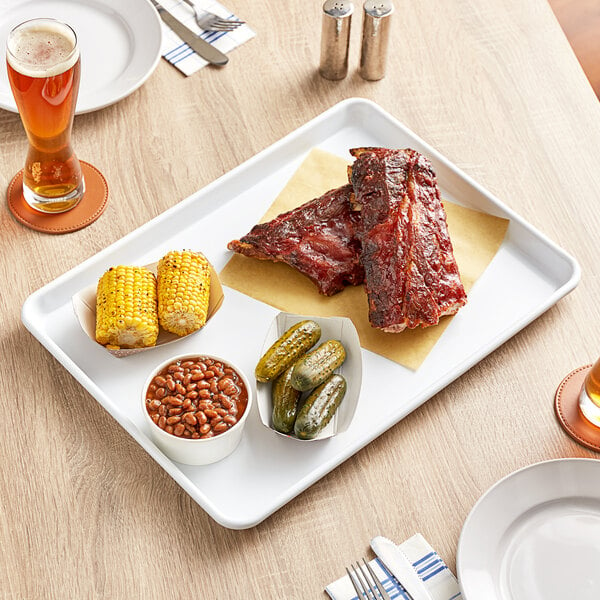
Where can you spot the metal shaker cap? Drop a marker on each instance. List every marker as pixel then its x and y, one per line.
pixel 338 8
pixel 375 38
pixel 378 8
pixel 335 38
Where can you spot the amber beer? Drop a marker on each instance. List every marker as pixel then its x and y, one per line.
pixel 589 399
pixel 44 69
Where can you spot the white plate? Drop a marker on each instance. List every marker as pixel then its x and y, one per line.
pixel 527 276
pixel 119 40
pixel 535 535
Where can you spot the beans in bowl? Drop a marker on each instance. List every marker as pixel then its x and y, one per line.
pixel 196 398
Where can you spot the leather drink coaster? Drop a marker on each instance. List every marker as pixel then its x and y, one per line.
pixel 90 207
pixel 566 406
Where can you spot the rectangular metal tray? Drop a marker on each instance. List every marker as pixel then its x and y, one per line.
pixel 527 276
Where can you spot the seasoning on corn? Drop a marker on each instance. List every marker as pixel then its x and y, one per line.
pixel 126 308
pixel 183 291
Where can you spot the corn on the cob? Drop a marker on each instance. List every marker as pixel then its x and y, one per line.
pixel 183 291
pixel 126 308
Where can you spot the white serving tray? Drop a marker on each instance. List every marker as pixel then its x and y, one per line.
pixel 527 276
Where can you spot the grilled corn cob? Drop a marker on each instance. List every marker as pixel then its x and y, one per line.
pixel 126 309
pixel 183 290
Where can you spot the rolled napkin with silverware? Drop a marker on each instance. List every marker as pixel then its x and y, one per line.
pixel 411 570
pixel 197 33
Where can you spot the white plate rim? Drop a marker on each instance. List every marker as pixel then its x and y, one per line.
pixel 146 26
pixel 466 532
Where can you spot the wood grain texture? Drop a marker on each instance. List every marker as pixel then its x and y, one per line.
pixel 495 87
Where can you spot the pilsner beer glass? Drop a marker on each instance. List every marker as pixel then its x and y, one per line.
pixel 589 398
pixel 44 68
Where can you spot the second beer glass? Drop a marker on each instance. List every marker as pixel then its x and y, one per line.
pixel 44 69
pixel 589 399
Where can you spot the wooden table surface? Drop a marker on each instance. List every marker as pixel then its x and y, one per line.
pixel 493 86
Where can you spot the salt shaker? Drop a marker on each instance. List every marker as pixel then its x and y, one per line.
pixel 375 38
pixel 335 38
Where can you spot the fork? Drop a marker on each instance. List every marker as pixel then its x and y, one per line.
pixel 208 21
pixel 363 586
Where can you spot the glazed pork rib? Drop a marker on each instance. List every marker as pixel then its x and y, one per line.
pixel 318 239
pixel 411 275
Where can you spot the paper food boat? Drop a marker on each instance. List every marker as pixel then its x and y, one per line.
pixel 338 328
pixel 84 305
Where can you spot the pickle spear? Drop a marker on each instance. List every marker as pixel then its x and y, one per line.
pixel 285 351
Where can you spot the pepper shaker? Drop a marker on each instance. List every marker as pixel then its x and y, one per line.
pixel 375 38
pixel 335 38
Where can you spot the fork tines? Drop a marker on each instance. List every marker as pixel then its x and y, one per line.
pixel 208 21
pixel 218 24
pixel 365 582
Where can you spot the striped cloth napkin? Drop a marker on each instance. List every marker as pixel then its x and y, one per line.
pixel 433 571
pixel 179 54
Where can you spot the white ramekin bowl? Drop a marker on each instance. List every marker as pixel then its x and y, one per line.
pixel 200 451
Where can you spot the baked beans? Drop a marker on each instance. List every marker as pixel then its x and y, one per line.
pixel 196 398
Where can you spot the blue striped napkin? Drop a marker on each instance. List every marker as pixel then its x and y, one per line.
pixel 179 54
pixel 433 571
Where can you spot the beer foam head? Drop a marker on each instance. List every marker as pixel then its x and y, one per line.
pixel 42 48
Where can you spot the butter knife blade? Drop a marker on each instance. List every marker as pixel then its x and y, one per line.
pixel 400 567
pixel 197 44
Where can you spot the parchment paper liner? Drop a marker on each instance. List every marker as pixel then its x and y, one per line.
pixel 84 305
pixel 332 328
pixel 476 237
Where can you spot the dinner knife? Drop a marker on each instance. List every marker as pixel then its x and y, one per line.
pixel 207 51
pixel 396 562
